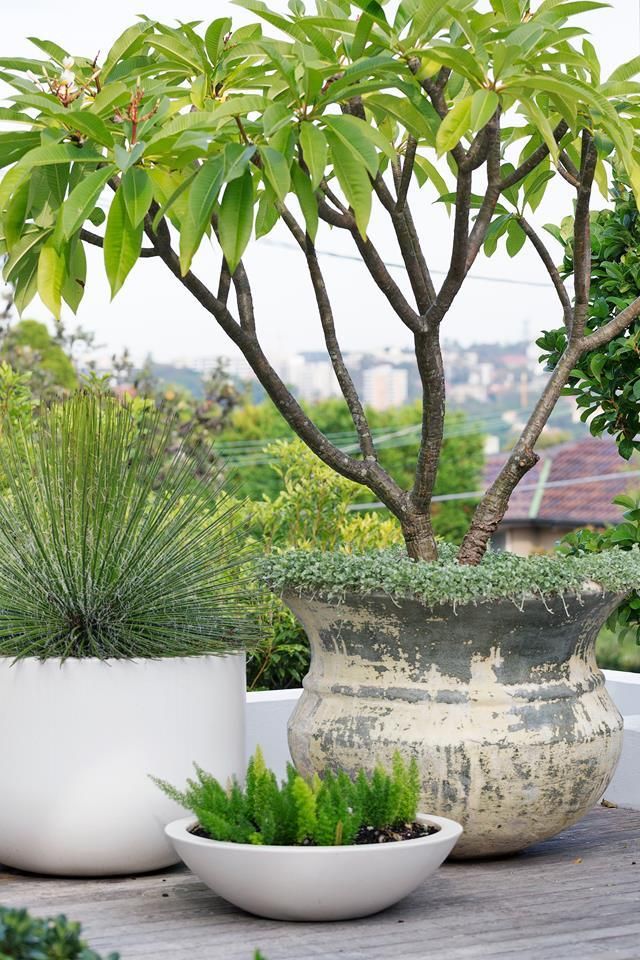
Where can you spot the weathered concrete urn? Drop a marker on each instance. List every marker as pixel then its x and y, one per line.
pixel 503 707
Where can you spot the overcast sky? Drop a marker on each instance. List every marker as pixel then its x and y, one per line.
pixel 152 313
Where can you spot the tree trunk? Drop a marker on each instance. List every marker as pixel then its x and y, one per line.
pixel 418 536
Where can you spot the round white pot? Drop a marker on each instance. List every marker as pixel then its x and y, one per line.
pixel 78 741
pixel 314 883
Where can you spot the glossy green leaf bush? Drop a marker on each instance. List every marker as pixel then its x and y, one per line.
pixel 328 812
pixel 606 382
pixel 105 551
pixel 445 581
pixel 23 937
pixel 625 621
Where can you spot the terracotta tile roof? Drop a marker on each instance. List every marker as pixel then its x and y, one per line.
pixel 580 503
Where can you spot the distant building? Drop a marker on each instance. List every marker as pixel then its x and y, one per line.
pixel 385 386
pixel 541 513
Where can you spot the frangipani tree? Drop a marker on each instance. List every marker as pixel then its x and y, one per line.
pixel 310 118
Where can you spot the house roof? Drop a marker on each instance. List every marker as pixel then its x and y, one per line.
pixel 536 502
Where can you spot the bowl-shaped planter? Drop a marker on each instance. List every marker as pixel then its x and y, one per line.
pixel 503 706
pixel 314 883
pixel 78 741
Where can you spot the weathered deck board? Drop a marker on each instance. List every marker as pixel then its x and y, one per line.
pixel 575 897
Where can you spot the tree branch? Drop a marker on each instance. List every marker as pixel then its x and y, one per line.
pixel 533 159
pixel 325 313
pixel 407 173
pixel 552 270
pixel 582 236
pixel 97 241
pixel 431 369
pixel 494 503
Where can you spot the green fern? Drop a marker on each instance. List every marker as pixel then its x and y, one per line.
pixel 106 552
pixel 325 812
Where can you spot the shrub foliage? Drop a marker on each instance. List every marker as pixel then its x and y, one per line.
pixel 105 551
pixel 23 937
pixel 328 812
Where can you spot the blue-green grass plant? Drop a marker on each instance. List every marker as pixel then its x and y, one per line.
pixel 107 552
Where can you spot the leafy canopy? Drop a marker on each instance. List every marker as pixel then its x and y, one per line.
pixel 105 551
pixel 327 812
pixel 213 127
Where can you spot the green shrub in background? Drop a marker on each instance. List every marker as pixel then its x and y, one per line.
pixel 313 507
pixel 624 622
pixel 23 937
pixel 328 812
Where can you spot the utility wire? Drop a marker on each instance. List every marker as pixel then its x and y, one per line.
pixel 475 494
pixel 400 266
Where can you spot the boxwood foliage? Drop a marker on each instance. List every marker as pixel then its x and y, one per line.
pixel 23 937
pixel 335 574
pixel 327 812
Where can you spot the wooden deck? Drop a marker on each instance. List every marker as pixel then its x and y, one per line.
pixel 576 896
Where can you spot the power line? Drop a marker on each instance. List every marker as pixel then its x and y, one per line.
pixel 475 494
pixel 400 266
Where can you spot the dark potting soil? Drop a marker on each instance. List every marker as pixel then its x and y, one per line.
pixel 366 835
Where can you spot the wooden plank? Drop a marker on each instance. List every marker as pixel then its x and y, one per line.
pixel 574 897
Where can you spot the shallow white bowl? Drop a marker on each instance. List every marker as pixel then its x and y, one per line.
pixel 314 883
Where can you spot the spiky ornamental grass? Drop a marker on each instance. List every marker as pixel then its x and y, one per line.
pixel 335 574
pixel 105 552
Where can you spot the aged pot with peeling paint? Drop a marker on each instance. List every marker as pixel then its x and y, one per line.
pixel 503 707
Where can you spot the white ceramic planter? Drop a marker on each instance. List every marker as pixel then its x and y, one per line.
pixel 314 883
pixel 78 741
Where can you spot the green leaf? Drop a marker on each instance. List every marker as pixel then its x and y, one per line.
pixel 16 215
pixel 353 178
pixel 137 193
pixel 307 200
pixel 126 158
pixel 126 44
pixel 454 126
pixel 516 237
pixel 89 125
pixel 626 70
pixel 83 198
pixel 122 244
pixel 267 215
pixel 51 275
pixel 276 170
pixel 235 220
pixel 484 104
pixel 74 282
pixel 236 160
pixel 201 200
pixel 14 144
pixel 214 38
pixel 51 49
pixel 113 95
pixel 23 250
pixel 363 138
pixel 314 151
pixel 430 173
pixel 60 153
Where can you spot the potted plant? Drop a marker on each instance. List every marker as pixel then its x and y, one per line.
pixel 212 134
pixel 124 608
pixel 320 850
